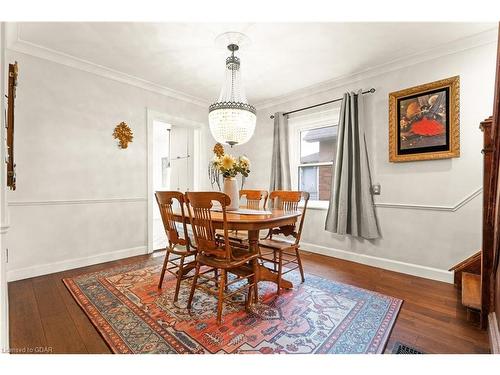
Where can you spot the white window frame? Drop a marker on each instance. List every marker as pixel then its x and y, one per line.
pixel 296 125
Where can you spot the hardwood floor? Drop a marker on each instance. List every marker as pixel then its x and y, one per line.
pixel 44 315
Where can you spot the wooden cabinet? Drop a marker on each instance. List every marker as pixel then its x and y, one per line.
pixel 491 212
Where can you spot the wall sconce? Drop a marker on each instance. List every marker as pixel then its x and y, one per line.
pixel 124 134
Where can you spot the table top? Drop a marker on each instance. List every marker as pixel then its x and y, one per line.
pixel 274 218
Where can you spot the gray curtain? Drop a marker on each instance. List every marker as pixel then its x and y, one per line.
pixel 351 209
pixel 280 164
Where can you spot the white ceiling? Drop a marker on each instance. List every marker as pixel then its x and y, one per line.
pixel 282 58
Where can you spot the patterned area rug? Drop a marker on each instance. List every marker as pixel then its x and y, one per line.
pixel 318 316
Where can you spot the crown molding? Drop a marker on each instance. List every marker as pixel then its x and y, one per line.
pixel 456 46
pixel 15 43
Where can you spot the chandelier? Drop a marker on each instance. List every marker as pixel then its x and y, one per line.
pixel 231 118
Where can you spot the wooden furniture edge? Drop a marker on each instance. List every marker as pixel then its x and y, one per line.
pixel 464 263
pixel 493 333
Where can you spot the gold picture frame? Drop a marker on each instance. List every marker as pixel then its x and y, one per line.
pixel 424 121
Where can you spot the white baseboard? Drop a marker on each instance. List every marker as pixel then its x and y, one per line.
pixel 45 269
pixel 387 264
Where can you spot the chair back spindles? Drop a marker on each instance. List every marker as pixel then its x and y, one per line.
pixel 254 198
pixel 165 201
pixel 199 208
pixel 289 201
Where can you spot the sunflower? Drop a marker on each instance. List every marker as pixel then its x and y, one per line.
pixel 218 150
pixel 244 162
pixel 227 161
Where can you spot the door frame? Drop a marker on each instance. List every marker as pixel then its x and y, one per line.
pixel 200 140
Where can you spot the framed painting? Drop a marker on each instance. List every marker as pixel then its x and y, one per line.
pixel 424 121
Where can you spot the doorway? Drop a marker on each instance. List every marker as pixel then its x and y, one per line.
pixel 173 164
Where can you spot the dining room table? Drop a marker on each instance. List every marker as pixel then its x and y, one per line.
pixel 252 221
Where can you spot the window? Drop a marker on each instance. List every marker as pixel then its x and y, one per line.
pixel 313 150
pixel 317 152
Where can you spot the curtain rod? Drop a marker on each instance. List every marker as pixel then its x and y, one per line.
pixel 371 91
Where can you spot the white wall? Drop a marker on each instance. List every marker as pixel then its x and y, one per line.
pixel 79 199
pixel 419 240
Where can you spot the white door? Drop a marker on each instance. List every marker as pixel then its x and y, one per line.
pixel 181 158
pixel 173 164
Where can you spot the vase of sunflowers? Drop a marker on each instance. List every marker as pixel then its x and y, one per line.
pixel 228 167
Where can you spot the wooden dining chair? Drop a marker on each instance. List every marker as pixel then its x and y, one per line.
pixel 254 200
pixel 219 256
pixel 285 250
pixel 180 256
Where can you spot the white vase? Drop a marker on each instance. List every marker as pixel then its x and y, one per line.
pixel 231 189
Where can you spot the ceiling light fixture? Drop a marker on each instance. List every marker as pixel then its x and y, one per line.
pixel 232 119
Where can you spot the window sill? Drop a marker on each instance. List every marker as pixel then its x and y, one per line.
pixel 316 205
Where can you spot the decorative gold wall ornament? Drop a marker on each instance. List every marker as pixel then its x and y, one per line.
pixel 124 134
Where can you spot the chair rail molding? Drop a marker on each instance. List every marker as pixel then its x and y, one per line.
pixel 318 205
pixel 75 201
pixel 453 208
pixel 17 44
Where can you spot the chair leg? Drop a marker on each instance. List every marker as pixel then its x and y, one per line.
pixel 216 275
pixel 164 268
pixel 249 296
pixel 179 278
pixel 193 286
pixel 280 271
pixel 274 259
pixel 255 268
pixel 220 303
pixel 300 264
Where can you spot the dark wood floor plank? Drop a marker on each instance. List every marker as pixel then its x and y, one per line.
pixel 60 331
pixel 25 325
pixel 90 336
pixel 431 318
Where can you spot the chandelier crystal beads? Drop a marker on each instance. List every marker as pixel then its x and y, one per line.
pixel 231 118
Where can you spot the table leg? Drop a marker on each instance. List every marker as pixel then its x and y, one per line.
pixel 264 273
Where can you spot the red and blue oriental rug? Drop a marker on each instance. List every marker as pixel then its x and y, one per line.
pixel 318 316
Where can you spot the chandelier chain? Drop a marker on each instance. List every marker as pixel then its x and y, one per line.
pixel 232 78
